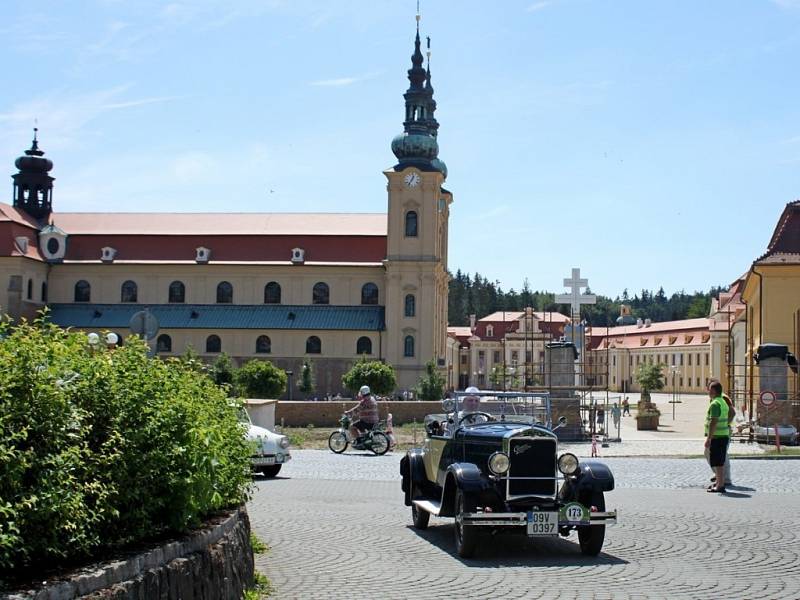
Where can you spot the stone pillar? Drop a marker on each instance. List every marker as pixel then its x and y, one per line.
pixel 559 378
pixel 773 376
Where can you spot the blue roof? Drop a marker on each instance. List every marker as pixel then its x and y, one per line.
pixel 222 316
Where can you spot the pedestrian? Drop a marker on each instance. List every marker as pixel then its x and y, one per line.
pixel 717 433
pixel 615 414
pixel 601 418
pixel 731 415
pixel 626 407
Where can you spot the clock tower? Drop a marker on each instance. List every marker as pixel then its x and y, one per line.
pixel 416 254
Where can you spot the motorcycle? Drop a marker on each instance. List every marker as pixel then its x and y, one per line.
pixel 376 440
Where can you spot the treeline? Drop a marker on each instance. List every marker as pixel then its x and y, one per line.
pixel 477 295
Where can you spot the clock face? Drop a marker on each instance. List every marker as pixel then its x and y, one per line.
pixel 412 179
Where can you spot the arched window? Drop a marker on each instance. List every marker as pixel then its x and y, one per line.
pixel 313 345
pixel 364 345
pixel 408 346
pixel 224 293
pixel 30 289
pixel 410 305
pixel 164 343
pixel 44 291
pixel 272 293
pixel 321 294
pixel 369 293
pixel 83 291
pixel 177 292
pixel 213 344
pixel 411 223
pixel 128 291
pixel 263 345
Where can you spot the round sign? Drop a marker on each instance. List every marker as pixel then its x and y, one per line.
pixel 575 512
pixel 144 324
pixel 767 398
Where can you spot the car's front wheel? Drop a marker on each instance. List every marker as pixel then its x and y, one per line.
pixel 591 537
pixel 271 470
pixel 380 443
pixel 466 535
pixel 420 517
pixel 337 442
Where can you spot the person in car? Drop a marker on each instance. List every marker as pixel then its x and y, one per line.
pixel 469 404
pixel 366 412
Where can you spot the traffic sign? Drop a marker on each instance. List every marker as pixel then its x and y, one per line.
pixel 144 324
pixel 767 398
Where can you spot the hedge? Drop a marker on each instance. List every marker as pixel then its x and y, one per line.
pixel 100 448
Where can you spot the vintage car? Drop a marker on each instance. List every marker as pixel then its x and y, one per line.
pixel 270 451
pixel 491 461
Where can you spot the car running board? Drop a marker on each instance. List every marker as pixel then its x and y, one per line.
pixel 431 506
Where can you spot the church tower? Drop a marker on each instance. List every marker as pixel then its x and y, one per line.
pixel 418 212
pixel 33 187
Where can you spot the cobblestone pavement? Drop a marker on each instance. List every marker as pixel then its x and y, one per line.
pixel 337 526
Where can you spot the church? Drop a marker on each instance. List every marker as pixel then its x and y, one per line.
pixel 289 288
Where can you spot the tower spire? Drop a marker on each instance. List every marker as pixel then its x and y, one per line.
pixel 33 187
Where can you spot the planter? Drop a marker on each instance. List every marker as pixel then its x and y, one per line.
pixel 647 422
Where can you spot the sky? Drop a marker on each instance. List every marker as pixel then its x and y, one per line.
pixel 648 143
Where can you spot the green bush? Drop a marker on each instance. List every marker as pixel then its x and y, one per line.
pixel 378 376
pixel 102 448
pixel 222 370
pixel 260 379
pixel 431 386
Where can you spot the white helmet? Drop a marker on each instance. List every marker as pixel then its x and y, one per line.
pixel 472 390
pixel 364 391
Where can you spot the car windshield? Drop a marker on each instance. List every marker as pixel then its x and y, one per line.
pixel 517 407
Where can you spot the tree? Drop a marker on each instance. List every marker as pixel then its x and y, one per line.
pixel 306 378
pixel 222 370
pixel 504 377
pixel 378 376
pixel 431 386
pixel 650 378
pixel 260 379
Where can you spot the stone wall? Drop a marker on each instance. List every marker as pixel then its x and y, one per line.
pixel 214 563
pixel 327 414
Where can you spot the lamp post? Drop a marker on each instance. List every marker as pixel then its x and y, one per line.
pixel 289 386
pixel 675 371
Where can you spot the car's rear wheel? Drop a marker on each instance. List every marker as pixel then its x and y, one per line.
pixel 380 443
pixel 591 537
pixel 420 517
pixel 466 535
pixel 337 442
pixel 271 470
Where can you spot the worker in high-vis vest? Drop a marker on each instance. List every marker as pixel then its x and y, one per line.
pixel 718 433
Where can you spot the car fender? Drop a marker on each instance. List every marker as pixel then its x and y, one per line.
pixel 412 468
pixel 594 476
pixel 466 477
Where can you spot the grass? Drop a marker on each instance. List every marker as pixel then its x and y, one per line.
pixel 785 451
pixel 262 587
pixel 258 546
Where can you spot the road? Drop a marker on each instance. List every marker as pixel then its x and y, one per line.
pixel 337 526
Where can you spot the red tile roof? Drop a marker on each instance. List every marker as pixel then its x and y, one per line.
pixel 784 245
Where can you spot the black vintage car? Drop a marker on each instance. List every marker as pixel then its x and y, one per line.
pixel 491 461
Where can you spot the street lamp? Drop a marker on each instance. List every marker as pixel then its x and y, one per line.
pixel 675 371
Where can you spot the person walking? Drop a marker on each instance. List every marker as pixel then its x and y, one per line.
pixel 615 414
pixel 717 431
pixel 626 407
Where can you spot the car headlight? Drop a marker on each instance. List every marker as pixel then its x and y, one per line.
pixel 568 464
pixel 284 442
pixel 499 463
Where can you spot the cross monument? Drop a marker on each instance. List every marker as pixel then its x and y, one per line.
pixel 575 299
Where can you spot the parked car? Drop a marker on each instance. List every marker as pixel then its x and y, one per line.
pixel 270 450
pixel 491 462
pixel 786 433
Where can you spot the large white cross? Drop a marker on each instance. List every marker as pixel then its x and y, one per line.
pixel 575 299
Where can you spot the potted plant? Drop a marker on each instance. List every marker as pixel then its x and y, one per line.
pixel 650 378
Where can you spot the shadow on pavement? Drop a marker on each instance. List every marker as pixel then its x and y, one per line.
pixel 514 550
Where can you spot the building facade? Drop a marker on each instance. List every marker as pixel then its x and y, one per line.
pixel 324 288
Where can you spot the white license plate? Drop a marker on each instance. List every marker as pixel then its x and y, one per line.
pixel 542 523
pixel 263 460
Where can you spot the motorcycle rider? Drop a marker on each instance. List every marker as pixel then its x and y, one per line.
pixel 367 412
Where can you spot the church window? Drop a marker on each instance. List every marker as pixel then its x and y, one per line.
pixel 313 345
pixel 30 289
pixel 164 343
pixel 44 291
pixel 411 223
pixel 213 344
pixel 272 293
pixel 53 245
pixel 369 293
pixel 83 291
pixel 321 293
pixel 224 293
pixel 408 346
pixel 411 305
pixel 263 345
pixel 364 345
pixel 129 292
pixel 177 292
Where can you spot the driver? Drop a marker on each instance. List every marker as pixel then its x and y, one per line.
pixel 367 412
pixel 470 405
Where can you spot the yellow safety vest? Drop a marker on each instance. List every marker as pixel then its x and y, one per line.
pixel 722 429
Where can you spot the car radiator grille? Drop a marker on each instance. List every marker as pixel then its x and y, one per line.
pixel 532 458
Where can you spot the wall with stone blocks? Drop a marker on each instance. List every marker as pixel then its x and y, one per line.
pixel 215 563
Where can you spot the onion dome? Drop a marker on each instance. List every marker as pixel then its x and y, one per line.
pixel 33 161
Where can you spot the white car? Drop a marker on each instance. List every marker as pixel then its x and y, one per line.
pixel 270 450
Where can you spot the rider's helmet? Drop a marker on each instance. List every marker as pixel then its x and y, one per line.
pixel 364 391
pixel 470 402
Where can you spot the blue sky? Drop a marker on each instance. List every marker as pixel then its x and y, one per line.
pixel 650 143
